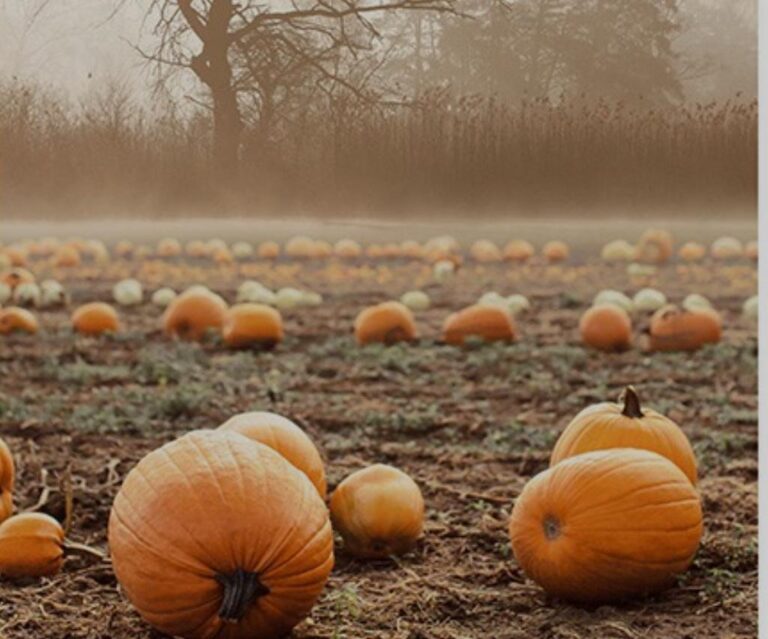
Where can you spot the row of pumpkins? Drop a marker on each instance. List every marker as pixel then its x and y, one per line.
pixel 606 326
pixel 226 532
pixel 654 246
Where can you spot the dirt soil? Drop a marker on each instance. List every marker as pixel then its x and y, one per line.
pixel 471 425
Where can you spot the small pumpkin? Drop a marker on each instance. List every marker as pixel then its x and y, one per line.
pixel 169 247
pixel 31 545
pixel 695 301
pixel 214 535
pixel 649 300
pixel 606 327
pixel 606 525
pixel 625 425
pixel 162 297
pixel 673 329
pixel 485 251
pixel 490 322
pixel 618 251
pixel 750 309
pixel 387 323
pixel 378 511
pixel 196 249
pixel 412 249
pixel 124 248
pixel 7 478
pixel 654 247
pixel 285 437
pixel 66 257
pixel 416 300
pixel 300 246
pixel 727 248
pixel 16 276
pixel 555 251
pixel 128 292
pixel 242 250
pixel 15 319
pixel 347 249
pixel 692 252
pixel 246 324
pixel 95 318
pixel 269 250
pixel 518 251
pixel 193 313
pixel 752 250
pixel 443 271
pixel 617 298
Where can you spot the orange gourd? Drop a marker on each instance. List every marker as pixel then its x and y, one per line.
pixel 555 251
pixel 246 324
pixel 379 512
pixel 14 319
pixel 95 318
pixel 169 247
pixel 626 425
pixel 193 313
pixel 518 251
pixel 216 536
pixel 491 323
pixel 387 323
pixel 196 249
pixel 16 276
pixel 654 247
pixel 485 251
pixel 31 545
pixel 285 437
pixel 606 525
pixel 675 329
pixel 692 252
pixel 7 477
pixel 269 250
pixel 347 249
pixel 606 327
pixel 66 257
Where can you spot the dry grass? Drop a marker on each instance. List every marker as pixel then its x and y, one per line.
pixel 61 159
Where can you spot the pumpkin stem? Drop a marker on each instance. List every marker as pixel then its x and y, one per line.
pixel 631 403
pixel 241 588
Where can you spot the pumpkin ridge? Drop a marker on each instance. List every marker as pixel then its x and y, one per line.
pixel 303 549
pixel 288 536
pixel 633 492
pixel 641 562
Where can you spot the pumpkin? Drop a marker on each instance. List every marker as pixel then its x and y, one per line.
pixel 128 292
pixel 14 319
pixel 443 271
pixel 222 256
pixel 673 329
pixel 242 250
pixel 52 294
pixel 412 249
pixel 347 249
pixel 285 437
pixel 31 545
pixel 387 323
pixel 518 251
pixel 288 297
pixel 617 298
pixel 97 251
pixel 415 300
pixel 751 250
pixel 193 313
pixel 27 294
pixel 654 247
pixel 518 304
pixel 618 251
pixel 625 425
pixel 162 297
pixel 255 292
pixel 17 255
pixel 196 249
pixel 485 251
pixel 5 293
pixel 246 324
pixel 321 249
pixel 751 308
pixel 606 327
pixel 492 298
pixel 378 511
pixel 124 248
pixel 487 321
pixel 269 250
pixel 168 247
pixel 726 248
pixel 214 535
pixel 66 257
pixel 216 244
pixel 695 301
pixel 606 525
pixel 649 300
pixel 16 276
pixel 300 246
pixel 95 318
pixel 555 251
pixel 692 252
pixel 7 477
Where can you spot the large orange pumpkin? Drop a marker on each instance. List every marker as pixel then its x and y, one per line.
pixel 31 546
pixel 606 327
pixel 555 251
pixel 7 477
pixel 606 525
pixel 625 425
pixel 216 536
pixel 95 318
pixel 654 247
pixel 246 324
pixel 675 329
pixel 193 313
pixel 13 319
pixel 489 322
pixel 379 511
pixel 518 251
pixel 282 435
pixel 388 323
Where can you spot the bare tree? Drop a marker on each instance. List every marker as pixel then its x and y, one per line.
pixel 224 42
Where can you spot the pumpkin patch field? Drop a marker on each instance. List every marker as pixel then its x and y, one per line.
pixel 377 435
